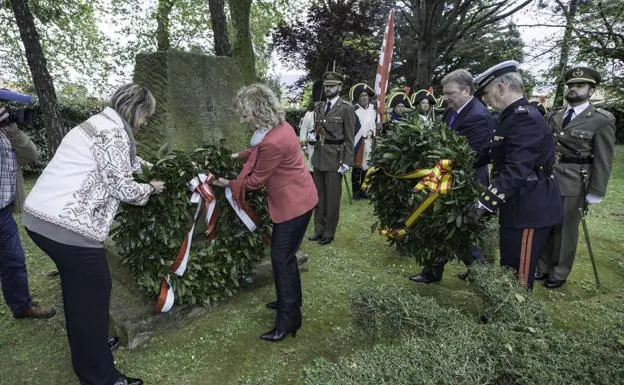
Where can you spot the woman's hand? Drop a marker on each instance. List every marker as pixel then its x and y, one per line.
pixel 158 185
pixel 234 155
pixel 221 182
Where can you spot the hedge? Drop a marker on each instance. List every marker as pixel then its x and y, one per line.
pixel 425 344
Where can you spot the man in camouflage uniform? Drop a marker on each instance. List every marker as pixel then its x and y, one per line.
pixel 333 155
pixel 585 137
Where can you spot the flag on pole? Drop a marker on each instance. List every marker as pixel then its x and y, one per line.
pixel 383 68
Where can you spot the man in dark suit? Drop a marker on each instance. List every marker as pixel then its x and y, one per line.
pixel 523 189
pixel 468 117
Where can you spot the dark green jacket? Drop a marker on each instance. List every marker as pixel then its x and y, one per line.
pixel 591 134
pixel 337 125
pixel 25 152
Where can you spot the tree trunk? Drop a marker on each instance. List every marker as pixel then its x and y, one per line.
pixel 242 47
pixel 565 53
pixel 162 30
pixel 427 59
pixel 40 75
pixel 219 28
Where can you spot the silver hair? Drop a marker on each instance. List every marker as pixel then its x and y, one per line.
pixel 462 77
pixel 513 81
pixel 259 106
pixel 134 103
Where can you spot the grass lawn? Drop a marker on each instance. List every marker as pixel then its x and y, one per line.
pixel 222 346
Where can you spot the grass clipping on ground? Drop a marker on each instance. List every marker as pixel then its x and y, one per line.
pixel 441 231
pixel 513 342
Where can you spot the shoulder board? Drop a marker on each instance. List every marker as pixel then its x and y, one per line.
pixel 604 112
pixel 347 103
pixel 521 110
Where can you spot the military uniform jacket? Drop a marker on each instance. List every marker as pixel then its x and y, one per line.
pixel 589 135
pixel 338 125
pixel 522 153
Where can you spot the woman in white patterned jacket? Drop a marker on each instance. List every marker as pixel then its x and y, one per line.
pixel 69 212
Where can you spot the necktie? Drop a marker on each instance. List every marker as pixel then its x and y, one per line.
pixel 328 107
pixel 452 119
pixel 568 117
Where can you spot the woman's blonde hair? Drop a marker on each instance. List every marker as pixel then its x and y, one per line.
pixel 259 107
pixel 134 103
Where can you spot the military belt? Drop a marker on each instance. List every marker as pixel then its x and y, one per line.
pixel 576 159
pixel 336 142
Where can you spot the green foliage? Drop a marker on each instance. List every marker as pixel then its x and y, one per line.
pixel 293 117
pixel 442 346
pixel 440 232
pixel 617 109
pixel 148 238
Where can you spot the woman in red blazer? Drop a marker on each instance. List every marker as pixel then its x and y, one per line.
pixel 274 161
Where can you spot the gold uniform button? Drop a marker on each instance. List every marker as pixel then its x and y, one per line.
pixel 494 203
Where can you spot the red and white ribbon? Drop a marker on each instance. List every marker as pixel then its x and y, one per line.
pixel 202 192
pixel 166 297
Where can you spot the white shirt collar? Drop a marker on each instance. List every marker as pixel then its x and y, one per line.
pixel 465 104
pixel 334 100
pixel 577 110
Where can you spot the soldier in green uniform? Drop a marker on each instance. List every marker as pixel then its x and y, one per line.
pixel 585 138
pixel 333 155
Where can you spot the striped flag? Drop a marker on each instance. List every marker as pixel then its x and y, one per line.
pixel 383 68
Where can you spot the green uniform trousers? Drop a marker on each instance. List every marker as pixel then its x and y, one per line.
pixel 329 188
pixel 558 256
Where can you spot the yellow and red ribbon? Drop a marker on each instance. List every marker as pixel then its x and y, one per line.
pixel 438 180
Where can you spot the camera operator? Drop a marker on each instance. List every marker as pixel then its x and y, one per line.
pixel 16 148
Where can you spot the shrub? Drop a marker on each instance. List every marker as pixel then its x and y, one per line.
pixel 294 117
pixel 433 345
pixel 148 238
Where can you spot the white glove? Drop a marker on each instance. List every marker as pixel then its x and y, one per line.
pixel 343 169
pixel 593 199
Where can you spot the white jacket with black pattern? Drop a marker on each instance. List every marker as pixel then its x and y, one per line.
pixel 90 174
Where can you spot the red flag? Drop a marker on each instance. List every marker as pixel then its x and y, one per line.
pixel 383 68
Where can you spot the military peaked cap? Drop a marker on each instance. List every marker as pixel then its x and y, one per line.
pixel 331 78
pixel 582 75
pixel 358 89
pixel 481 81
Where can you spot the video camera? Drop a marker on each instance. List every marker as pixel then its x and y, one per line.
pixel 19 116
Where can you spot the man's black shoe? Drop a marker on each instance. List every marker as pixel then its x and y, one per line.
pixel 272 305
pixel 552 283
pixel 113 343
pixel 314 237
pixel 539 276
pixel 129 381
pixel 463 275
pixel 325 240
pixel 422 278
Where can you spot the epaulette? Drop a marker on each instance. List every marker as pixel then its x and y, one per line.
pixel 347 103
pixel 521 110
pixel 604 112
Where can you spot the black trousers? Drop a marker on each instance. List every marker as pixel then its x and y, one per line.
pixel 285 242
pixel 357 177
pixel 520 249
pixel 86 285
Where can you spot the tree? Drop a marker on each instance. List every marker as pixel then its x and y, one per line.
pixel 162 18
pixel 219 28
pixel 428 30
pixel 345 31
pixel 570 12
pixel 41 77
pixel 242 49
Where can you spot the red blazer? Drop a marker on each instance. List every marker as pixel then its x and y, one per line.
pixel 277 164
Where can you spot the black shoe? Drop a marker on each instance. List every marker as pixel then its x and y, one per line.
pixel 113 343
pixel 315 237
pixel 272 305
pixel 539 276
pixel 129 381
pixel 463 275
pixel 422 278
pixel 552 283
pixel 276 335
pixel 325 240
